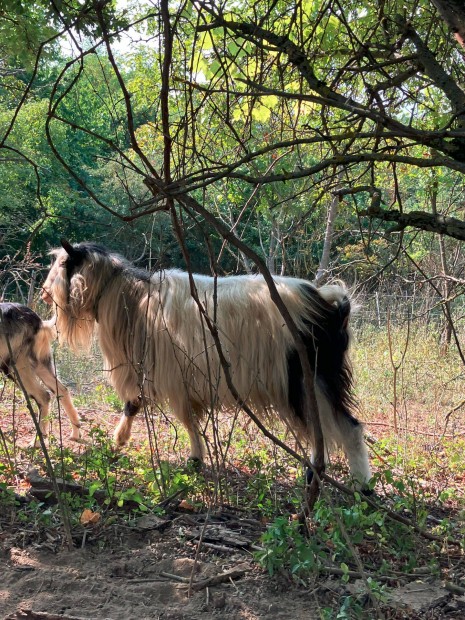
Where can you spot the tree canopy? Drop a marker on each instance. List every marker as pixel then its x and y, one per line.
pixel 242 121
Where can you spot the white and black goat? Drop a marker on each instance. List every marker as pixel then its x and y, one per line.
pixel 25 353
pixel 156 345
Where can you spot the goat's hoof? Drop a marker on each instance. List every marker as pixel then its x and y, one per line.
pixel 193 462
pixel 120 441
pixel 79 440
pixel 367 492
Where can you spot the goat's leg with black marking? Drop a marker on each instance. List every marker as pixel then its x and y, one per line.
pixel 122 432
pixel 343 429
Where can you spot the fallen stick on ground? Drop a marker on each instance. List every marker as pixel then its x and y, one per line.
pixel 29 614
pixel 233 573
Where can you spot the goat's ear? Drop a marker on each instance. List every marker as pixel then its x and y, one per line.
pixel 68 247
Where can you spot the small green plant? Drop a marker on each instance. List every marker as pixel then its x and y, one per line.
pixel 7 496
pixel 263 492
pixel 285 549
pixel 333 524
pixel 167 480
pixel 105 394
pixel 36 514
pixel 354 606
pixel 132 496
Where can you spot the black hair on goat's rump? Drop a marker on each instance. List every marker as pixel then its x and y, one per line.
pixel 26 358
pixel 326 336
pixel 326 339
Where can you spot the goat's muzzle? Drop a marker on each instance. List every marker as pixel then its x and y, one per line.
pixel 45 296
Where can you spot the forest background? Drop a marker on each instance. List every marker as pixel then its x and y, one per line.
pixel 302 119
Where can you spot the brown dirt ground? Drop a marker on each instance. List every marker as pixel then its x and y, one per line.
pixel 125 574
pixel 123 581
pixel 115 574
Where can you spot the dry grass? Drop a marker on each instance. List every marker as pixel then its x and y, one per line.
pixel 426 404
pixel 430 383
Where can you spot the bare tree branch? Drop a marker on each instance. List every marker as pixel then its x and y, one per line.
pixel 441 224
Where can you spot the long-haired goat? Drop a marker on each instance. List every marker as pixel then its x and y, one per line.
pixel 25 352
pixel 156 345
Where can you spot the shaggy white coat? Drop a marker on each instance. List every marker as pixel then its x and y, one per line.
pixel 155 342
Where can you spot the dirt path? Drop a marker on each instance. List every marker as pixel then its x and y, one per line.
pixel 136 579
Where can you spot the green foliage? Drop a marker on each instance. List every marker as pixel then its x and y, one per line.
pixel 24 25
pixel 7 496
pixel 220 125
pixel 115 483
pixel 261 494
pixel 286 549
pixel 354 607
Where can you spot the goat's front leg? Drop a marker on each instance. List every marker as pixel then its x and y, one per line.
pixel 64 399
pixel 122 432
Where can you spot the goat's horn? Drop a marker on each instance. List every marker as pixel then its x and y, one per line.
pixel 68 247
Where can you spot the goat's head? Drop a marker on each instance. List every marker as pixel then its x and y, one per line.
pixel 73 285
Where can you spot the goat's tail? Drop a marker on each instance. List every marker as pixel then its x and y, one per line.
pixel 327 343
pixel 47 332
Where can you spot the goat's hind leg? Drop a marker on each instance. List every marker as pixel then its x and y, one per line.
pixel 36 391
pixel 343 429
pixel 47 375
pixel 189 416
pixel 353 443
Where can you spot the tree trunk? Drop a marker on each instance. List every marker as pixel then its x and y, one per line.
pixel 446 335
pixel 453 13
pixel 323 268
